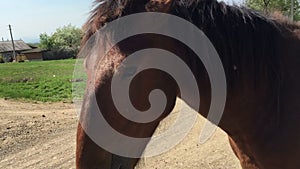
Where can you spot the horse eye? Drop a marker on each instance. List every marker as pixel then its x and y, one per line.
pixel 129 71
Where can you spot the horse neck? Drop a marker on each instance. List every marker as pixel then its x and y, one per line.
pixel 248 46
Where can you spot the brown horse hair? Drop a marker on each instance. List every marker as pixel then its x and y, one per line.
pixel 278 16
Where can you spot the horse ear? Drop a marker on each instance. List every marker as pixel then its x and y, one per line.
pixel 159 5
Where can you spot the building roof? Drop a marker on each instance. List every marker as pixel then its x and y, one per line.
pixel 36 50
pixel 6 46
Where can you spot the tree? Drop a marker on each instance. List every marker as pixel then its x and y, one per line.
pixel 46 42
pixel 67 37
pixel 63 43
pixel 267 6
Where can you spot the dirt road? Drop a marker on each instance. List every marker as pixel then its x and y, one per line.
pixel 34 135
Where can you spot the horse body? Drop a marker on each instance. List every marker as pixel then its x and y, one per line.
pixel 261 61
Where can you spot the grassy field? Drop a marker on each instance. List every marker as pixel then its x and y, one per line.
pixel 47 81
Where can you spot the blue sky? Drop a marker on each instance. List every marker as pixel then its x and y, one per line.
pixel 30 18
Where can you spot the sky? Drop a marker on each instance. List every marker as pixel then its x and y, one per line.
pixel 30 18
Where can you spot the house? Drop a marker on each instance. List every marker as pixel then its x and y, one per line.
pixel 22 49
pixel 33 54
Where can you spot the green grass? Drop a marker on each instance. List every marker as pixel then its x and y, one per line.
pixel 47 81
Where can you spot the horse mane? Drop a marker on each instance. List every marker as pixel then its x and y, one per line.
pixel 246 40
pixel 284 20
pixel 108 10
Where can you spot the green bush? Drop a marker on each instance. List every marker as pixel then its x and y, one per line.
pixel 58 54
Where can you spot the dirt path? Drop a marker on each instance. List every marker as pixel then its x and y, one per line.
pixel 43 136
pixel 37 135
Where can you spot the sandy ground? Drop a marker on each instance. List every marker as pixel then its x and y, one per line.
pixel 35 135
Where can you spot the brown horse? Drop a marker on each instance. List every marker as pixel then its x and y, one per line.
pixel 261 59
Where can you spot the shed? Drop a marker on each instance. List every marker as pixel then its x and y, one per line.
pixel 6 50
pixel 7 47
pixel 34 54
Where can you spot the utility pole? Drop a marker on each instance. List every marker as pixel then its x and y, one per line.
pixel 292 9
pixel 13 43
